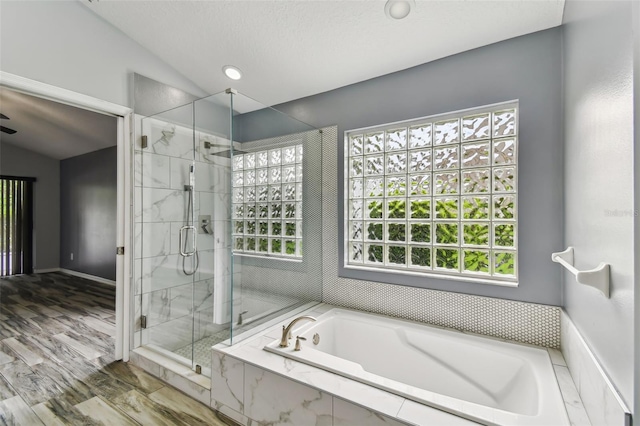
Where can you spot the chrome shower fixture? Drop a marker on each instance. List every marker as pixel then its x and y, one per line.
pixel 192 179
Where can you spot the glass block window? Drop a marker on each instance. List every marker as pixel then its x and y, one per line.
pixel 267 202
pixel 436 195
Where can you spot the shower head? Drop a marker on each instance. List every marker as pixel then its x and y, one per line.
pixel 224 153
pixel 227 153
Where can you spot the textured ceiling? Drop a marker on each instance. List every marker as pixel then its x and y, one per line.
pixel 292 49
pixel 53 129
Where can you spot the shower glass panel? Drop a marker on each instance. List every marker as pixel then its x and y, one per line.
pixel 276 215
pixel 228 223
pixel 169 264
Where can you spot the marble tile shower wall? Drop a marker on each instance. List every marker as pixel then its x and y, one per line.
pixel 162 291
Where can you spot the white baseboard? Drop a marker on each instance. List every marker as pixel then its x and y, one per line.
pixel 46 271
pixel 601 400
pixel 88 277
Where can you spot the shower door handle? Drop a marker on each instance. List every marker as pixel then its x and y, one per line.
pixel 182 232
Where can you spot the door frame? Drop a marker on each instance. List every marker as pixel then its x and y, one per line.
pixel 124 206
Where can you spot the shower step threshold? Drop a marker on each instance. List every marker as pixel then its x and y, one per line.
pixel 178 375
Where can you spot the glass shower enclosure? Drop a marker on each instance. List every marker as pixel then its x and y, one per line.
pixel 228 221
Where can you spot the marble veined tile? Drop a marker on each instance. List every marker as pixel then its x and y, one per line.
pixel 556 357
pixel 167 138
pixel 203 295
pixel 103 412
pixel 165 205
pixel 572 402
pixel 172 334
pixel 180 169
pixel 215 204
pixel 152 239
pixel 169 304
pixel 197 386
pixel 348 414
pixel 163 272
pixel 596 392
pixel 14 411
pixel 209 177
pixel 227 381
pixel 152 171
pixel 274 400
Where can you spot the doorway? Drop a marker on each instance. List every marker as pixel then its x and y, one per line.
pixel 123 117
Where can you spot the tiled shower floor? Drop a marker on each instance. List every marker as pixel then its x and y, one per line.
pixel 202 348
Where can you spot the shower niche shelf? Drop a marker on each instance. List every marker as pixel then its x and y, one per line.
pixel 597 278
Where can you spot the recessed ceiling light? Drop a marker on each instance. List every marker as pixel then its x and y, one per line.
pixel 232 72
pixel 398 9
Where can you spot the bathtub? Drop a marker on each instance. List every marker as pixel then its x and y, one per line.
pixel 484 380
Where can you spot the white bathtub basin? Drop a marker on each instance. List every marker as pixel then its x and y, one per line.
pixel 482 379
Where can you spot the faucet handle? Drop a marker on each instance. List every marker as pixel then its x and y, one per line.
pixel 298 344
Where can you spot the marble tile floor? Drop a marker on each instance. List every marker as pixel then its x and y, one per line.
pixel 57 363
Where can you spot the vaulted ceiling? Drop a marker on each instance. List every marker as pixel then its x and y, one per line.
pixel 54 129
pixel 292 49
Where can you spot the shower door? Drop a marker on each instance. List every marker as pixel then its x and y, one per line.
pixel 168 263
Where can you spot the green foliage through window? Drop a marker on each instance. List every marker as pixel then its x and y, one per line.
pixel 420 209
pixel 375 209
pixel 476 261
pixel 447 258
pixel 396 209
pixel 476 234
pixel 374 231
pixel 421 232
pixel 397 255
pixel 396 232
pixel 421 256
pixel 375 254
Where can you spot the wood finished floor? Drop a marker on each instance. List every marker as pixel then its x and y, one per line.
pixel 57 362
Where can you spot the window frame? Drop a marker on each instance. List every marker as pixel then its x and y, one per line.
pixel 491 221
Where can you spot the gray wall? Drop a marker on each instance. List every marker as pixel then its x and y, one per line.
pixel 527 68
pixel 16 161
pixel 88 213
pixel 598 92
pixel 64 44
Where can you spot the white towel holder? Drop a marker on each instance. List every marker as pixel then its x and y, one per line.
pixel 597 278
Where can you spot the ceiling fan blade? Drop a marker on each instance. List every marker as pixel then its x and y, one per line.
pixel 4 117
pixel 7 130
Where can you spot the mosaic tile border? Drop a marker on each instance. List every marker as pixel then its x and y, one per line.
pixel 511 320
